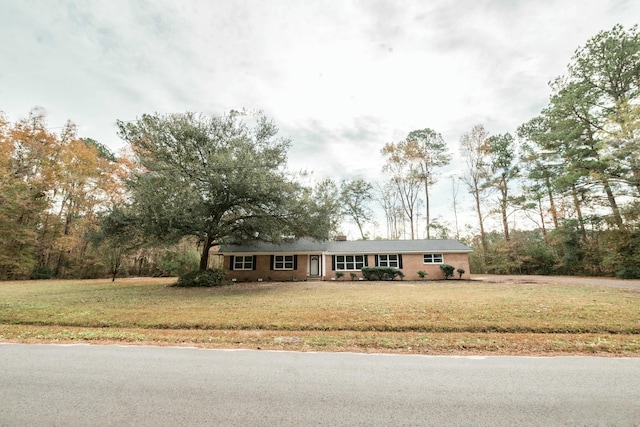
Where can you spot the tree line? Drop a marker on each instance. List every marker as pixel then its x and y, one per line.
pixel 52 188
pixel 572 172
pixel 186 183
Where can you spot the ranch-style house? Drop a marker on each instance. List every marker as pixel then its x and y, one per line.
pixel 306 259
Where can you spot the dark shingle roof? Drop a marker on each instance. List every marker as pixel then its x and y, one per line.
pixel 397 246
pixel 351 246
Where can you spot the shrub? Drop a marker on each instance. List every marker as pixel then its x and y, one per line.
pixel 447 270
pixel 203 278
pixel 628 272
pixel 460 272
pixel 339 274
pixel 422 274
pixel 41 273
pixel 353 275
pixel 381 273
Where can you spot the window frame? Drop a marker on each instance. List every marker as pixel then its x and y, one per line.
pixel 356 263
pixel 433 256
pixel 281 264
pixel 243 264
pixel 387 261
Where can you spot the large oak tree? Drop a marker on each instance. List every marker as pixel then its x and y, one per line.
pixel 219 179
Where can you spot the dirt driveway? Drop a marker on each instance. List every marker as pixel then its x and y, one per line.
pixel 573 280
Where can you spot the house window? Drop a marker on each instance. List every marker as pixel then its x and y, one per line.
pixel 433 258
pixel 243 262
pixel 283 262
pixel 392 260
pixel 350 262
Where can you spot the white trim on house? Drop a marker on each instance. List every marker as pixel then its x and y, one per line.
pixel 243 264
pixel 388 262
pixel 433 258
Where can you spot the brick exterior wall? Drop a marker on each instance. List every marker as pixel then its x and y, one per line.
pixel 264 272
pixel 411 264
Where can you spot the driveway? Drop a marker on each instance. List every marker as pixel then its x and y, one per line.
pixel 570 280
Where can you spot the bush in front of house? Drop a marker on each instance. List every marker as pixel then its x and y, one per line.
pixel 381 273
pixel 447 270
pixel 203 278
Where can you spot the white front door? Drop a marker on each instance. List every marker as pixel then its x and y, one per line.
pixel 314 265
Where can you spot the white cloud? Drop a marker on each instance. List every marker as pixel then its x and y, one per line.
pixel 342 78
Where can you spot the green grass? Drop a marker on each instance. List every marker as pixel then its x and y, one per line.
pixel 423 317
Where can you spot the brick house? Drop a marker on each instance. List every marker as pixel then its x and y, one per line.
pixel 306 259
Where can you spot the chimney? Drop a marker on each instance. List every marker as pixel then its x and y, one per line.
pixel 341 238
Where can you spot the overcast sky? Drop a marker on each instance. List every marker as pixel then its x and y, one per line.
pixel 340 77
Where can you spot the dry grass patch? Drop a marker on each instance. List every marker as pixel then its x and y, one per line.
pixel 414 317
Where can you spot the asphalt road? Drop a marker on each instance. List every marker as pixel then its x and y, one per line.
pixel 82 385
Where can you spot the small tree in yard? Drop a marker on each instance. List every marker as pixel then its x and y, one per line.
pixel 447 270
pixel 460 273
pixel 117 237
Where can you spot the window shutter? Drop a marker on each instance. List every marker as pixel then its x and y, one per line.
pixel 231 262
pixel 366 260
pixel 400 261
pixel 333 262
pixel 271 262
pixel 255 262
pixel 295 262
pixel 377 261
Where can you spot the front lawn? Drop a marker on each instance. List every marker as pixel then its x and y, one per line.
pixel 441 317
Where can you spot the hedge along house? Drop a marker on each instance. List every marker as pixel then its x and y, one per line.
pixel 311 260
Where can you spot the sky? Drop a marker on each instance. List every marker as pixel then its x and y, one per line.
pixel 341 78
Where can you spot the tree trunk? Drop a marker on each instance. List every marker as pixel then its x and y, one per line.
pixel 204 257
pixel 61 256
pixel 412 226
pixel 576 203
pixel 116 267
pixel 505 223
pixel 426 198
pixel 617 217
pixel 552 204
pixel 455 207
pixel 503 207
pixel 541 213
pixel 483 236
